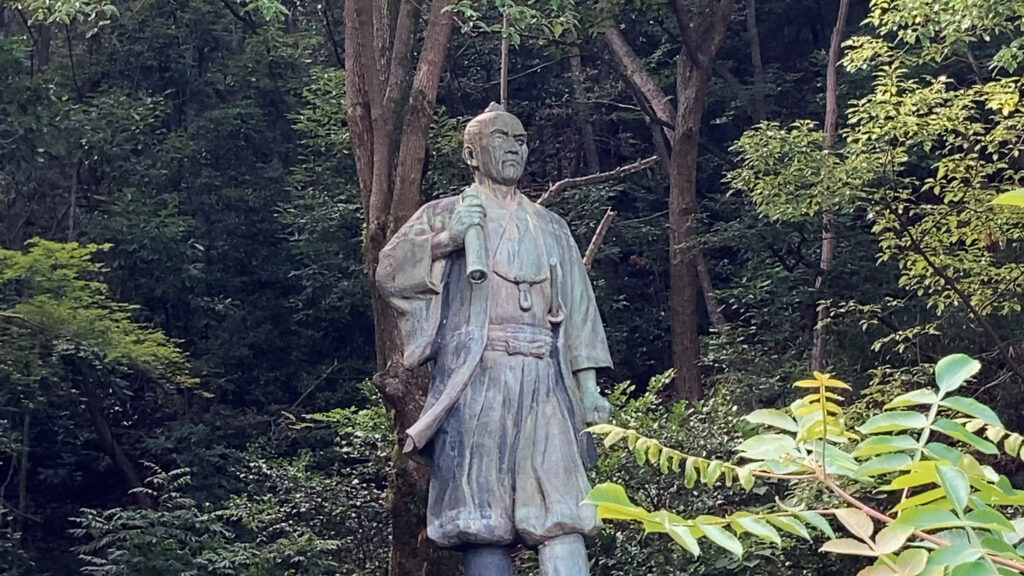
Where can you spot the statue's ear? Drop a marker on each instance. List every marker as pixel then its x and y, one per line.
pixel 470 156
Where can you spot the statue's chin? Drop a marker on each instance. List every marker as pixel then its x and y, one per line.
pixel 509 178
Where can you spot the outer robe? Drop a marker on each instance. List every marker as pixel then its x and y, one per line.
pixel 502 419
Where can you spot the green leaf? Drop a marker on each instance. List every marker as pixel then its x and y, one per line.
pixel 882 465
pixel 920 499
pixel 976 568
pixel 848 546
pixel 682 536
pixel 954 482
pixel 1012 444
pixel 714 471
pixel 893 422
pixel 883 444
pixel 723 538
pixel 613 504
pixel 911 562
pixel 892 538
pixel 774 418
pixel 958 432
pixel 746 476
pixel 818 521
pixel 928 518
pixel 791 525
pixel 972 407
pixel 915 398
pixel 767 446
pixel 954 554
pixel 990 519
pixel 758 528
pixel 1011 198
pixel 858 523
pixel 942 451
pixel 952 371
pixel 690 472
pixel 613 437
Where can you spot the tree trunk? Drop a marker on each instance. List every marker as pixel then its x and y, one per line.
pixel 390 107
pixel 586 128
pixel 679 155
pixel 757 107
pixel 828 238
pixel 41 51
pixel 691 88
pixel 710 300
pixel 26 430
pixel 94 406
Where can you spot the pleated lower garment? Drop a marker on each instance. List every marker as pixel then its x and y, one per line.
pixel 506 463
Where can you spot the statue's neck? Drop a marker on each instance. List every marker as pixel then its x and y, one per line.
pixel 503 192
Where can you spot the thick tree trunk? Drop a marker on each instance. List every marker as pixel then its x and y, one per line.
pixel 682 208
pixel 390 107
pixel 681 127
pixel 828 237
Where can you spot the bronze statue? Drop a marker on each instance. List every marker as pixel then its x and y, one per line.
pixel 491 288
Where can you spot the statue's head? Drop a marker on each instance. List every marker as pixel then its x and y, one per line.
pixel 494 145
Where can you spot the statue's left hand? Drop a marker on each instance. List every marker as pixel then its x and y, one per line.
pixel 596 410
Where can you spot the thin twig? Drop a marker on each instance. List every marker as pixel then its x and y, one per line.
pixel 319 380
pixel 595 242
pixel 558 187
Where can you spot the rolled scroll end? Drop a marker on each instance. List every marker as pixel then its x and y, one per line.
pixel 476 255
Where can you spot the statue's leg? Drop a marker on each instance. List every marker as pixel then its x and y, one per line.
pixel 564 556
pixel 488 561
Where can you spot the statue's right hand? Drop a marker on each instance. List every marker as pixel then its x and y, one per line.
pixel 469 213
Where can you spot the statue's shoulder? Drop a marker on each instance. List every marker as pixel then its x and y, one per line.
pixel 554 220
pixel 442 207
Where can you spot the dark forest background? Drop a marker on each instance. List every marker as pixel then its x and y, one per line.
pixel 187 332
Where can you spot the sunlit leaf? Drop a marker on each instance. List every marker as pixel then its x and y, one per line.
pixel 893 422
pixel 952 371
pixel 954 482
pixel 972 407
pixel 848 546
pixel 883 444
pixel 958 432
pixel 915 398
pixel 723 538
pixel 857 522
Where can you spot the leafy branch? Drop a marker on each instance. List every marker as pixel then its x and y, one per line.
pixel 946 520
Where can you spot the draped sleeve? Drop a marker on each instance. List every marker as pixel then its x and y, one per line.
pixel 410 280
pixel 584 337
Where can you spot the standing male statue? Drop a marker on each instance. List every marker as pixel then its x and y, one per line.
pixel 516 337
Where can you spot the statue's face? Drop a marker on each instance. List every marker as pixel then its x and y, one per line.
pixel 498 149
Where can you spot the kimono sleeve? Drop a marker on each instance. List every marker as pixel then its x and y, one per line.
pixel 584 337
pixel 410 280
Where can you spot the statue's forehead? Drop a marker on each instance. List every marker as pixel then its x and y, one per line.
pixel 503 121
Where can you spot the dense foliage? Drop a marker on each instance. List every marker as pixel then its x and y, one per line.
pixel 186 331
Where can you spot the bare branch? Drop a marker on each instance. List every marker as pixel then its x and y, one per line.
pixel 249 24
pixel 329 28
pixel 595 242
pixel 562 185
